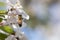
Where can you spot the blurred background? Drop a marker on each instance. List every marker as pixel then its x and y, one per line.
pixel 44 22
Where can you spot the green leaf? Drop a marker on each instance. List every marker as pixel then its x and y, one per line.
pixel 6 29
pixel 2 36
pixel 3 12
pixel 2 4
pixel 1 19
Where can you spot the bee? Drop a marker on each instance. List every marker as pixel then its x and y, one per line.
pixel 20 20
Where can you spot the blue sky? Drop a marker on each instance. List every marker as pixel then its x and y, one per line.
pixel 33 34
